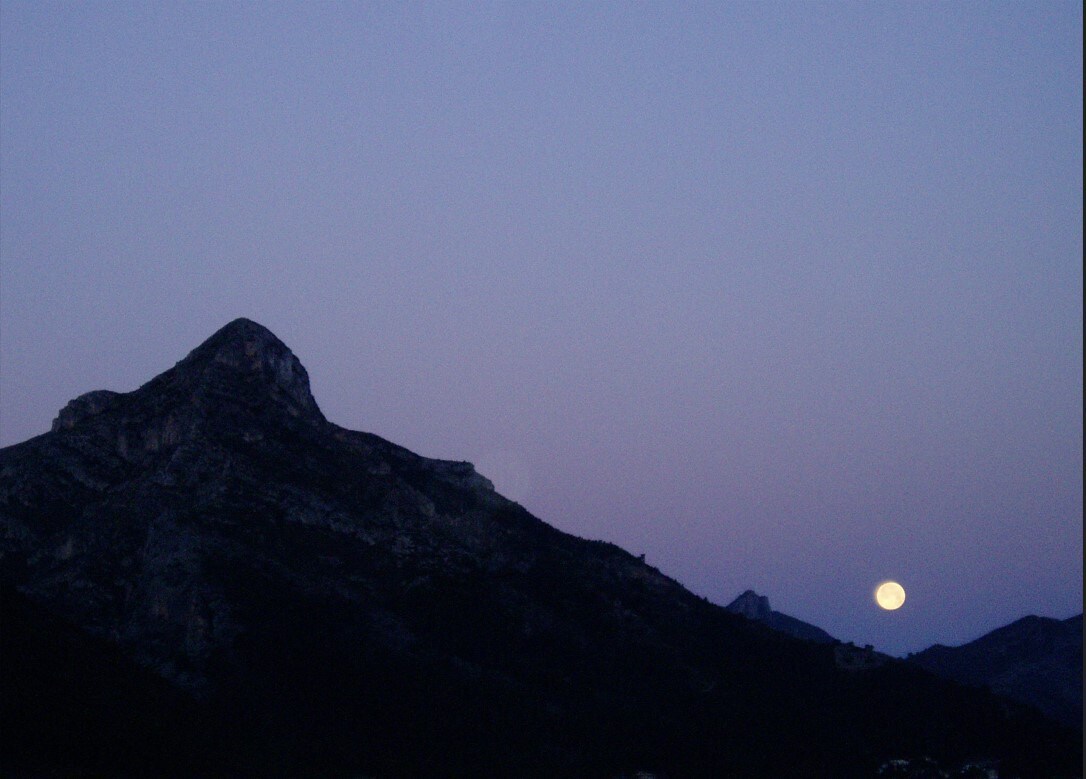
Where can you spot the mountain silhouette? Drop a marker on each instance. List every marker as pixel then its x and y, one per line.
pixel 1036 660
pixel 205 576
pixel 756 607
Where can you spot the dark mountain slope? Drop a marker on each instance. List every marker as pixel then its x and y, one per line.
pixel 1035 660
pixel 333 604
pixel 756 607
pixel 86 706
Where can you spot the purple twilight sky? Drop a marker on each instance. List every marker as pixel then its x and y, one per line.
pixel 784 296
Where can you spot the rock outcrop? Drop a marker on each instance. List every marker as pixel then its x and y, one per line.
pixel 756 607
pixel 86 405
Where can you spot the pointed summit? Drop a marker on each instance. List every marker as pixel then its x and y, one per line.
pixel 756 607
pixel 751 605
pixel 240 337
pixel 241 330
pixel 244 356
pixel 243 370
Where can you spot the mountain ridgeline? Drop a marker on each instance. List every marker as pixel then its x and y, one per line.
pixel 204 576
pixel 1036 660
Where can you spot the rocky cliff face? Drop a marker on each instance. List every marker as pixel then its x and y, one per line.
pixel 129 516
pixel 335 604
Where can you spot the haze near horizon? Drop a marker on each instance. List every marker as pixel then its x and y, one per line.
pixel 784 297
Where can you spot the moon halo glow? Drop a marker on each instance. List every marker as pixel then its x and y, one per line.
pixel 890 596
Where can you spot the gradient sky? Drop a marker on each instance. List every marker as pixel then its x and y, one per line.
pixel 784 296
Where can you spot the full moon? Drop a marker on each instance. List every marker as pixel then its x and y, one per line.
pixel 890 595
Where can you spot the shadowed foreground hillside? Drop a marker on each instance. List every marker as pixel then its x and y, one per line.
pixel 204 576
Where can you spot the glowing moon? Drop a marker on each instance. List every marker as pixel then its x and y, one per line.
pixel 890 595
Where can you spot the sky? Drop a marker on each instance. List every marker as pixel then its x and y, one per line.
pixel 783 296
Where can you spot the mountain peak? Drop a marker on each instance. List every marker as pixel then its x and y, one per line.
pixel 756 607
pixel 244 335
pixel 243 327
pixel 1035 660
pixel 245 352
pixel 751 605
pixel 241 363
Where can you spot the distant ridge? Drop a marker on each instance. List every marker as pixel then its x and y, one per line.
pixel 1036 660
pixel 756 607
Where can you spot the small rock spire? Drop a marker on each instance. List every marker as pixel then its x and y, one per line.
pixel 751 605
